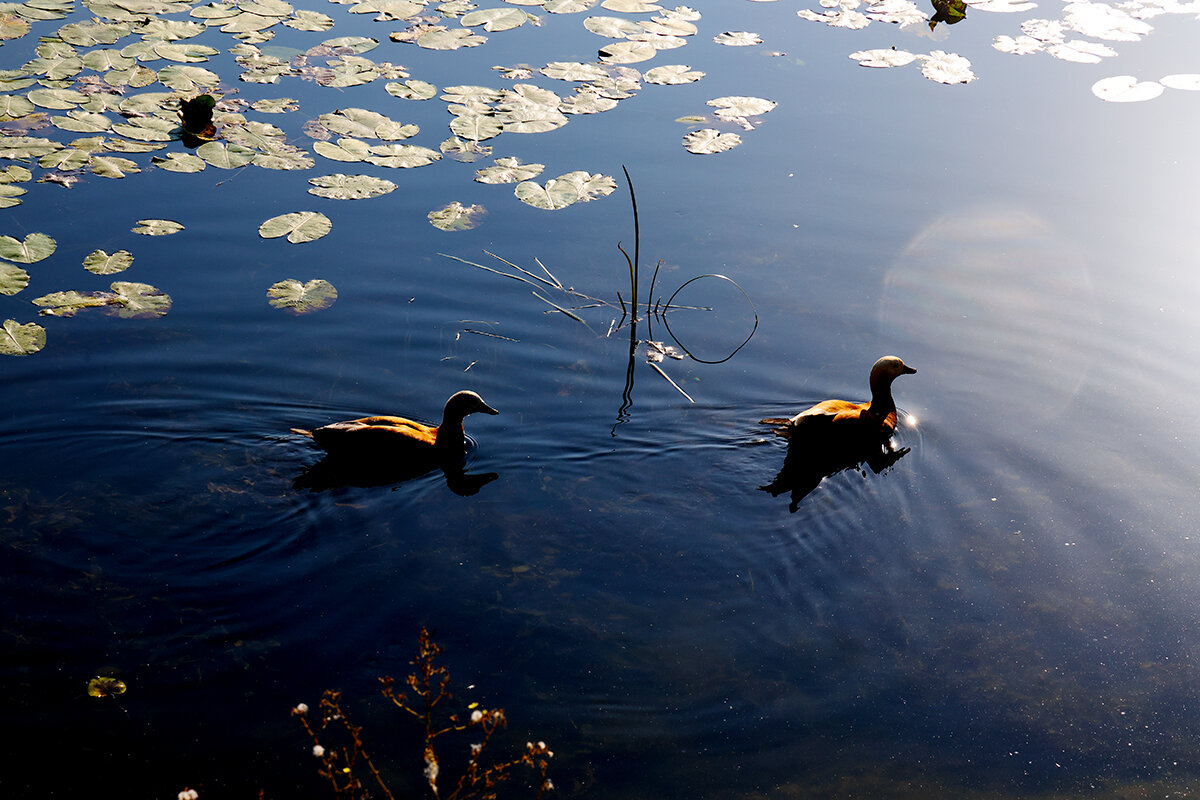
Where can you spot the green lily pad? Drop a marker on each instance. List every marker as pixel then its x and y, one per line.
pixel 299 227
pixel 554 195
pixel 15 173
pixel 21 340
pixel 402 156
pixel 457 217
pixel 99 262
pixel 573 71
pixel 280 105
pixel 347 150
pixel 309 21
pixel 449 39
pixel 157 227
pixel 124 299
pixel 12 278
pixel 350 187
pixel 179 162
pixel 34 248
pixel 10 195
pixel 13 27
pixel 302 298
pixel 476 127
pixel 357 44
pixel 82 122
pixel 708 141
pixel 225 156
pixel 15 106
pixel 188 80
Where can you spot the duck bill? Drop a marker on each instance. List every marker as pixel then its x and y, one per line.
pixel 909 370
pixel 489 410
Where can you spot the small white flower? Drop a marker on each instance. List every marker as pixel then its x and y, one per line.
pixel 476 715
pixel 189 794
pixel 318 751
pixel 541 745
pixel 302 708
pixel 476 748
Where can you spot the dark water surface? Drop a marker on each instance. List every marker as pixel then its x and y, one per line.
pixel 1010 611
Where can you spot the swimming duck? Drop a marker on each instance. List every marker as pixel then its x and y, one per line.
pixel 855 422
pixel 400 437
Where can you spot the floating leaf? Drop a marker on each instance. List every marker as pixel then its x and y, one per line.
pixel 309 21
pixel 1187 82
pixel 411 90
pixel 710 140
pixel 10 195
pixel 736 107
pixel 345 150
pixel 477 127
pixel 612 27
pixel 125 300
pixel 573 71
pixel 630 6
pixel 188 80
pixel 14 106
pixel 113 166
pixel 34 248
pixel 357 44
pixel 627 52
pixel 21 340
pixel 349 187
pixel 497 19
pixel 299 227
pixel 12 278
pixel 737 39
pixel 225 156
pixel 508 170
pixel 13 27
pixel 403 156
pixel 946 67
pixel 556 194
pixel 157 227
pixel 281 105
pixel 457 217
pixel 883 58
pixel 449 39
pixel 1121 89
pixel 359 122
pixel 672 75
pixel 99 262
pixel 302 298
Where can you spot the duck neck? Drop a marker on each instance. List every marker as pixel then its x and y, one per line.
pixel 450 435
pixel 882 403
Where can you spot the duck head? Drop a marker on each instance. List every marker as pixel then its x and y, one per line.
pixel 463 403
pixel 888 368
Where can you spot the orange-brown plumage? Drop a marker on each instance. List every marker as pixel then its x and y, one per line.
pixel 397 437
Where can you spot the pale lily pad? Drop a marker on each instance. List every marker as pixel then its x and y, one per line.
pixel 630 6
pixel 157 227
pixel 554 195
pixel 302 298
pixel 573 71
pixel 359 122
pixel 188 80
pixel 457 217
pixel 280 105
pixel 464 150
pixel 587 102
pixel 672 75
pixel 1018 45
pixel 124 299
pixel 309 21
pixel 10 195
pixel 113 166
pixel 349 187
pixel 508 170
pixel 21 340
pixel 883 58
pixel 1188 82
pixel 477 127
pixel 708 141
pixel 590 186
pixel 1102 21
pixel 568 6
pixel 12 278
pixel 402 156
pixel 387 9
pixel 82 122
pixel 738 39
pixel 1122 89
pixel 347 150
pixel 357 44
pixel 497 19
pixel 15 173
pixel 411 90
pixel 736 107
pixel 13 27
pixel 299 227
pixel 15 106
pixel 449 39
pixel 946 67
pixel 225 156
pixel 627 52
pixel 34 248
pixel 99 262
pixel 612 27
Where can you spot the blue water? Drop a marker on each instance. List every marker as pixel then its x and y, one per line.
pixel 1008 611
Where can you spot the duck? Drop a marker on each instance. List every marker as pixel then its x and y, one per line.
pixel 852 423
pixel 397 437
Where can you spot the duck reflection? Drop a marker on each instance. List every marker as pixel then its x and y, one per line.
pixel 837 435
pixel 383 450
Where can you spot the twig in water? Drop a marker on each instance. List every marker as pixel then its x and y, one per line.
pixel 493 335
pixel 673 383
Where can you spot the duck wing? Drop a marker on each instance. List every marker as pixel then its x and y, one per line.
pixel 371 432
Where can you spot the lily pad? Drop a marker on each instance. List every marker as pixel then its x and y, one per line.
pixel 113 166
pixel 225 156
pixel 157 227
pixel 672 75
pixel 627 52
pixel 34 248
pixel 1121 89
pixel 883 58
pixel 99 262
pixel 497 19
pixel 12 278
pixel 450 39
pixel 946 67
pixel 299 227
pixel 556 194
pixel 126 300
pixel 708 141
pixel 508 170
pixel 21 340
pixel 736 107
pixel 280 105
pixel 302 298
pixel 738 39
pixel 350 187
pixel 457 217
pixel 411 90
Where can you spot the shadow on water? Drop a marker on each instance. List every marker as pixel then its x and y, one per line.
pixel 337 472
pixel 806 465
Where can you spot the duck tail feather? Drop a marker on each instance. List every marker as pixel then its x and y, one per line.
pixel 302 432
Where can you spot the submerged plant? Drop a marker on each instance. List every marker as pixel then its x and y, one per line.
pixel 424 694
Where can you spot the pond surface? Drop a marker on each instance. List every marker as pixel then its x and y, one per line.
pixel 1008 611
